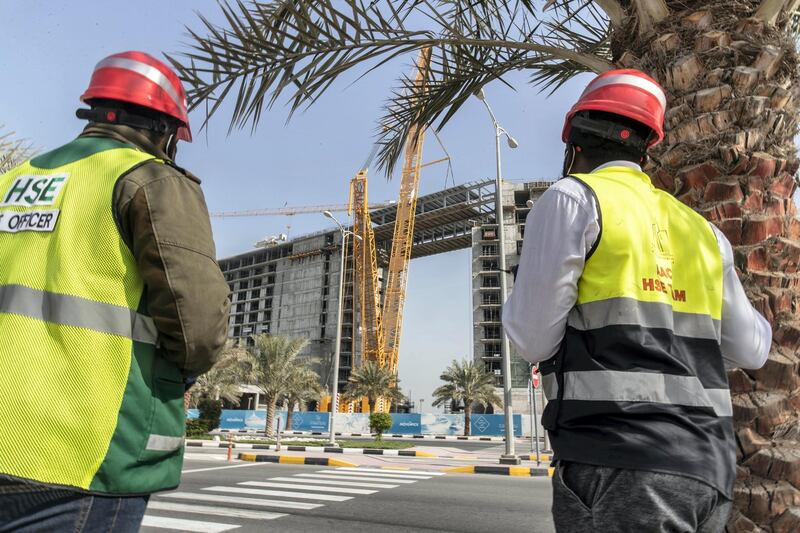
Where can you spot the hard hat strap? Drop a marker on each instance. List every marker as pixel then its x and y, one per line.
pixel 109 115
pixel 606 129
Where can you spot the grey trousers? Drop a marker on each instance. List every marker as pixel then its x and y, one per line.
pixel 589 498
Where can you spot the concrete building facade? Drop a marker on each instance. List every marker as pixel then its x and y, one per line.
pixel 291 288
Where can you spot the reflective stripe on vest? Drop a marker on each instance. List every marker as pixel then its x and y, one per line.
pixel 614 386
pixel 79 312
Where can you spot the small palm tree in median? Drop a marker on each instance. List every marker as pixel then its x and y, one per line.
pixel 302 386
pixel 224 378
pixel 374 382
pixel 274 361
pixel 468 382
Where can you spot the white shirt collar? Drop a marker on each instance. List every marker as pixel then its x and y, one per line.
pixel 619 163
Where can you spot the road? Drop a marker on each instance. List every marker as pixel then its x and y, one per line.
pixel 216 496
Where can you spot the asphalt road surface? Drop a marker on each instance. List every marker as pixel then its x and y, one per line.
pixel 217 496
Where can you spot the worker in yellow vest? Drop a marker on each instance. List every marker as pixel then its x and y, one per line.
pixel 110 300
pixel 630 303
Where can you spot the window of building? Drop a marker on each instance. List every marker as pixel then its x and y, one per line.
pixel 489 249
pixel 492 350
pixel 491 298
pixel 519 247
pixel 237 331
pixel 255 293
pixel 491 315
pixel 489 234
pixel 491 332
pixel 491 281
pixel 253 317
pixel 488 265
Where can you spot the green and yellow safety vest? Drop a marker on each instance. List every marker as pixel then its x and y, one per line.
pixel 639 381
pixel 85 401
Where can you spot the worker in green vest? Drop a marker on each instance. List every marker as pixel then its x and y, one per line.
pixel 110 302
pixel 630 303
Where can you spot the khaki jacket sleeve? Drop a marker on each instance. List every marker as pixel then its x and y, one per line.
pixel 163 217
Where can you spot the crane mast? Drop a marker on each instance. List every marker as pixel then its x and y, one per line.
pixel 366 270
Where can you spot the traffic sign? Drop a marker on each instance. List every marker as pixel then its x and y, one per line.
pixel 535 377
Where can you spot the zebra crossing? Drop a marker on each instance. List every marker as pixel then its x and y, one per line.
pixel 230 506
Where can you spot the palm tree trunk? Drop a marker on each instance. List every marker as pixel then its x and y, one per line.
pixel 269 429
pixel 289 414
pixel 732 87
pixel 467 418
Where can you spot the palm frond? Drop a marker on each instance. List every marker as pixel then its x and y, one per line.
pixel 13 151
pixel 297 49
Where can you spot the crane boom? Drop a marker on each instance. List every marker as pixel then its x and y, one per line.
pixel 397 277
pixel 297 210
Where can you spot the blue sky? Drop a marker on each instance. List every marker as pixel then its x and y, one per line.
pixel 49 50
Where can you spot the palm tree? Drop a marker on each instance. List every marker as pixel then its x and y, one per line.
pixel 302 385
pixel 373 382
pixel 13 151
pixel 467 382
pixel 731 77
pixel 224 378
pixel 274 361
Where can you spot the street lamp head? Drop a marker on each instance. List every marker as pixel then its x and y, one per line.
pixel 357 237
pixel 512 142
pixel 480 95
pixel 328 214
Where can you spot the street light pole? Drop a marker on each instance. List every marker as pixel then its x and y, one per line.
pixel 510 453
pixel 338 342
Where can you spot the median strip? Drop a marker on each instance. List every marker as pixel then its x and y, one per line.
pixel 498 470
pixel 293 459
pixel 315 449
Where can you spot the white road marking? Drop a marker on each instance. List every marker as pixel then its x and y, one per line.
pixel 204 457
pixel 185 525
pixel 281 493
pixel 244 501
pixel 224 467
pixel 390 471
pixel 355 478
pixel 375 474
pixel 339 490
pixel 213 510
pixel 336 482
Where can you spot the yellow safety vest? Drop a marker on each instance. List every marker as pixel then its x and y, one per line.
pixel 85 402
pixel 639 381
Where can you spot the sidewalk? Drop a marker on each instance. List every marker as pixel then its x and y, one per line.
pixel 255 433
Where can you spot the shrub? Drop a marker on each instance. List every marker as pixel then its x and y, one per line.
pixel 380 422
pixel 196 428
pixel 210 412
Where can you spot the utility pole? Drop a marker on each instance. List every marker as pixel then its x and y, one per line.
pixel 510 456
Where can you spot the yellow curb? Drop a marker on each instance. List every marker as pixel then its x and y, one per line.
pixel 519 471
pixel 460 470
pixel 550 471
pixel 426 454
pixel 465 457
pixel 292 459
pixel 395 468
pixel 247 456
pixel 339 462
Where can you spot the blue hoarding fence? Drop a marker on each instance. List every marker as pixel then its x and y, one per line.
pixel 402 423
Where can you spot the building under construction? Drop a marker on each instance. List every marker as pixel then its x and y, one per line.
pixel 291 288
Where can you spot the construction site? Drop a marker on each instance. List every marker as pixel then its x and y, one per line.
pixel 290 287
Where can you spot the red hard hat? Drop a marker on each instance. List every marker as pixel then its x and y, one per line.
pixel 141 79
pixel 627 92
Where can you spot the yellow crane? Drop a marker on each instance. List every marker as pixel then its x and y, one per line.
pixel 381 325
